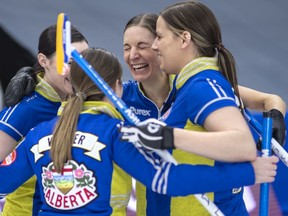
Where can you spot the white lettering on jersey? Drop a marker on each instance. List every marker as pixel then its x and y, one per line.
pixel 142 112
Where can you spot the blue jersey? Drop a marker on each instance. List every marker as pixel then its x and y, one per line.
pixel 83 187
pixel 201 89
pixel 16 121
pixel 142 106
pixel 41 105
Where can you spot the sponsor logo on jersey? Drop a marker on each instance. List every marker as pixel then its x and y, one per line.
pixel 9 159
pixel 142 112
pixel 73 188
pixel 31 98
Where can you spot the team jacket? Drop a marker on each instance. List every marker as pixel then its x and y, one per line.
pixel 16 121
pixel 201 89
pixel 83 187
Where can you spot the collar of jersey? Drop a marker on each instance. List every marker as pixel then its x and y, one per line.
pixel 195 66
pixel 45 89
pixel 171 80
pixel 96 107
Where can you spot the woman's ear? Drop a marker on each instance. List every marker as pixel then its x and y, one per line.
pixel 186 36
pixel 42 59
pixel 119 88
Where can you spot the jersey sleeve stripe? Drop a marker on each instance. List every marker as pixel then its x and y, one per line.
pixel 8 113
pixel 12 128
pixel 160 179
pixel 208 104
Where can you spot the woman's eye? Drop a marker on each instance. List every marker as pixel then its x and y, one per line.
pixel 126 48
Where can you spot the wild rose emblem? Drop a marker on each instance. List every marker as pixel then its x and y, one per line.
pixel 47 178
pixel 74 184
pixel 83 179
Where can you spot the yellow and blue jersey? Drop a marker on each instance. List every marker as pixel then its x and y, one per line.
pixel 144 108
pixel 202 89
pixel 83 187
pixel 16 121
pixel 198 90
pixel 42 105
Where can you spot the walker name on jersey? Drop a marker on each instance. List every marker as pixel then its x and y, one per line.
pixel 142 112
pixel 86 141
pixel 73 188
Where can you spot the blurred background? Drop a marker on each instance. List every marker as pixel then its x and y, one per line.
pixel 256 32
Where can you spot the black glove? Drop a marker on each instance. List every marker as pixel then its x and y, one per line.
pixel 23 83
pixel 152 134
pixel 278 128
